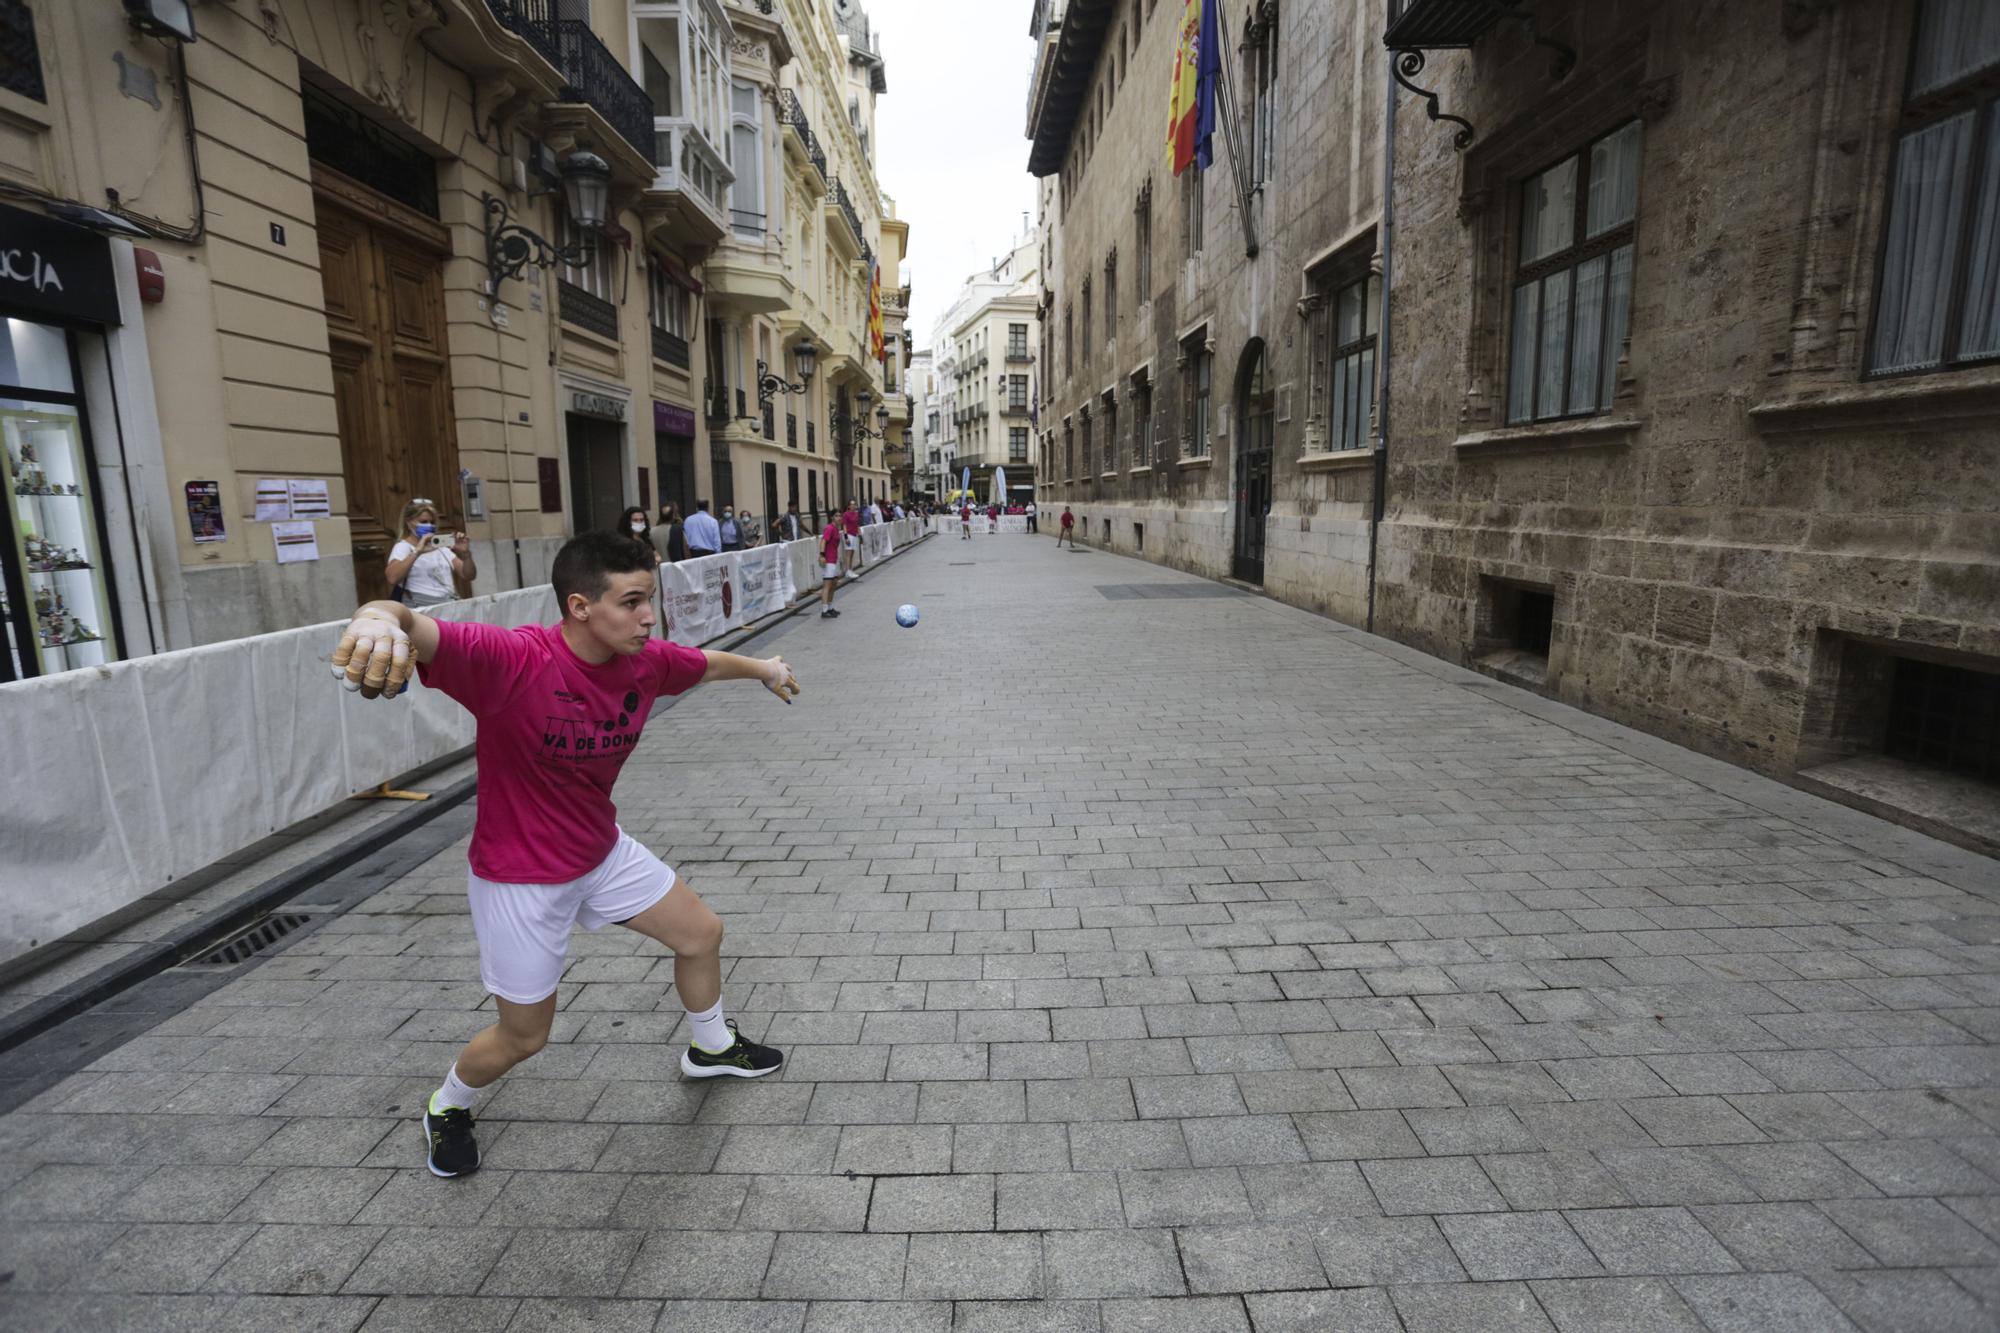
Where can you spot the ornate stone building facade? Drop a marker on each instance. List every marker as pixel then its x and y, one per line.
pixel 1678 406
pixel 506 256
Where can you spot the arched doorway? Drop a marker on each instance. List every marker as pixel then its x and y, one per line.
pixel 1255 427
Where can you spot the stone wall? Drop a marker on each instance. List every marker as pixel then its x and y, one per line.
pixel 1322 197
pixel 1751 499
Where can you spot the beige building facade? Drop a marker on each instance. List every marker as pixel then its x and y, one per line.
pixel 1660 385
pixel 336 265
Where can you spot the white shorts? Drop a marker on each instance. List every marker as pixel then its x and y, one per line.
pixel 523 929
pixel 853 543
pixel 830 572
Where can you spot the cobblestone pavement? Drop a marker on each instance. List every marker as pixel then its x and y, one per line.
pixel 1146 961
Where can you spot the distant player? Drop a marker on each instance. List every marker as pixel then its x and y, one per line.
pixel 964 522
pixel 830 539
pixel 559 708
pixel 1068 529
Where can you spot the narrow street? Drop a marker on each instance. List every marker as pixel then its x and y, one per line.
pixel 1164 957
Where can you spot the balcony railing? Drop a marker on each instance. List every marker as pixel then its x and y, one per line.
pixel 670 347
pixel 586 310
pixel 1020 353
pixel 747 224
pixel 534 21
pixel 839 197
pixel 690 165
pixel 793 115
pixel 592 74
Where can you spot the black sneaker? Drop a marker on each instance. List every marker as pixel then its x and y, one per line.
pixel 829 614
pixel 450 1148
pixel 743 1059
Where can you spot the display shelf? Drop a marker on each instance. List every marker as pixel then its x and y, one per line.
pixel 59 569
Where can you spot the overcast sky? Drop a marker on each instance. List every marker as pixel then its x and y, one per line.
pixel 953 155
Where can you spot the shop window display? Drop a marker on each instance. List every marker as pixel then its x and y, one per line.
pixel 55 607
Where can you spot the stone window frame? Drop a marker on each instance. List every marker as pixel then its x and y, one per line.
pixel 1356 258
pixel 1495 168
pixel 1194 352
pixel 1145 430
pixel 1114 447
pixel 1259 49
pixel 1142 239
pixel 1974 95
pixel 1816 371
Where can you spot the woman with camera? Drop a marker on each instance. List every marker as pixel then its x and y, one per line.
pixel 423 568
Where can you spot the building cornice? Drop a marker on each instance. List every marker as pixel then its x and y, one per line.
pixel 1075 59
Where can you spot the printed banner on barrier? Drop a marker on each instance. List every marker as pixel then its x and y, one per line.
pixel 875 543
pixel 699 600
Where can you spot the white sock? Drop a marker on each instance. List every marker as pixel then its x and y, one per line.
pixel 455 1092
pixel 709 1031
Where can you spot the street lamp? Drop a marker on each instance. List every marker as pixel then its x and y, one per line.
pixel 843 422
pixel 511 247
pixel 804 357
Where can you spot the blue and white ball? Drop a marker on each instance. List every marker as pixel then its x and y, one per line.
pixel 906 616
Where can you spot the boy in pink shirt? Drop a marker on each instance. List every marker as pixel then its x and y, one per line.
pixel 829 551
pixel 559 709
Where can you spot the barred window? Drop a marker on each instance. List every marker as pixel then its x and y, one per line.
pixel 1938 294
pixel 1344 330
pixel 1573 283
pixel 595 274
pixel 1017 444
pixel 1196 379
pixel 1142 426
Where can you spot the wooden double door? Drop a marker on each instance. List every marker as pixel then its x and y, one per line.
pixel 382 266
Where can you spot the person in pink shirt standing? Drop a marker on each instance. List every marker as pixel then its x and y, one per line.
pixel 831 538
pixel 559 709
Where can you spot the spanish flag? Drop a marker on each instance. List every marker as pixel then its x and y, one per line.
pixel 875 312
pixel 1191 104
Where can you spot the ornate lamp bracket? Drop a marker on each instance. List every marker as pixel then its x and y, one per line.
pixel 512 247
pixel 769 386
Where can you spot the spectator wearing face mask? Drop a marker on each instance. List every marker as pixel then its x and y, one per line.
pixel 732 532
pixel 632 523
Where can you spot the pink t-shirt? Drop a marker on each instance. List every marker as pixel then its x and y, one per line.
pixel 553 733
pixel 829 543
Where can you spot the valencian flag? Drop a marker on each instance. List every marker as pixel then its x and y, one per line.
pixel 875 313
pixel 1197 74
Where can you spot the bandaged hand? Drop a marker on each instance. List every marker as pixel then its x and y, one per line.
pixel 779 679
pixel 373 656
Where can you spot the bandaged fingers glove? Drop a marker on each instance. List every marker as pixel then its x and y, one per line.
pixel 373 656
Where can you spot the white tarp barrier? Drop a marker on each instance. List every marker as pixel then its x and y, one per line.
pixel 131 776
pixel 876 544
pixel 947 526
pixel 135 774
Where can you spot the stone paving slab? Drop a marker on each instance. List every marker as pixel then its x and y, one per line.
pixel 1144 962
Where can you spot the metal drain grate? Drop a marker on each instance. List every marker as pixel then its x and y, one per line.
pixel 250 942
pixel 963 564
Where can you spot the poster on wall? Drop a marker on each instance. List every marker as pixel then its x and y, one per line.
pixel 204 502
pixel 274 502
pixel 296 542
pixel 308 498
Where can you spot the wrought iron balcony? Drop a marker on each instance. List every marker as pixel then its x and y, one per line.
pixel 592 74
pixel 670 347
pixel 792 115
pixel 534 21
pixel 838 195
pixel 586 310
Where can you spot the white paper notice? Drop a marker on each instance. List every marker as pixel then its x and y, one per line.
pixel 308 498
pixel 274 501
pixel 296 542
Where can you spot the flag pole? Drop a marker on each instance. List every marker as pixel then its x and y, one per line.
pixel 1232 131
